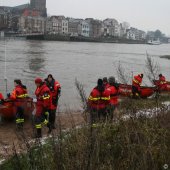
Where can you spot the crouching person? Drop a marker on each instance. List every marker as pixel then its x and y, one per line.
pixel 42 93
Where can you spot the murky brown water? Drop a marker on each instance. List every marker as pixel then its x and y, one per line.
pixel 69 60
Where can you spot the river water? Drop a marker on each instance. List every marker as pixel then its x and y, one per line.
pixel 87 62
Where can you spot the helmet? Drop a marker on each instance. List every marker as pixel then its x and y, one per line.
pixel 100 85
pixel 141 75
pixel 111 80
pixel 50 76
pixel 18 81
pixel 105 80
pixel 38 81
pixel 100 82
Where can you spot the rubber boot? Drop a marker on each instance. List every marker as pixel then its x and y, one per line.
pixel 52 117
pixel 53 122
pixel 19 126
pixel 39 134
pixel 53 126
pixel 49 128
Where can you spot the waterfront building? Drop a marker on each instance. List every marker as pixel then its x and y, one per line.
pixel 95 27
pixel 73 27
pixel 78 27
pixel 31 23
pixel 57 25
pixel 64 26
pixel 111 27
pixel 48 26
pixel 135 34
pixel 142 35
pixel 84 29
pixel 124 26
pixel 130 34
pixel 4 18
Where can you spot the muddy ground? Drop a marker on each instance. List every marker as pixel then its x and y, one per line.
pixel 12 141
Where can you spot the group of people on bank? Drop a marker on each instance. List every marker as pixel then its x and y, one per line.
pixel 102 102
pixel 103 99
pixel 47 95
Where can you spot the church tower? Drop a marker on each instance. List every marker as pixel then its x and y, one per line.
pixel 39 5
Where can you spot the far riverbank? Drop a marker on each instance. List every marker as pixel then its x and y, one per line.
pixel 84 39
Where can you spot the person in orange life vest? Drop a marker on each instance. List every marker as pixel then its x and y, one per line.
pixel 42 93
pixel 55 91
pixel 18 96
pixel 1 98
pixel 105 82
pixel 98 101
pixel 113 89
pixel 136 85
pixel 162 85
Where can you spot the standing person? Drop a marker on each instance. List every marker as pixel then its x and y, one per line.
pixel 1 98
pixel 162 85
pixel 98 101
pixel 42 93
pixel 105 82
pixel 113 89
pixel 18 95
pixel 55 91
pixel 136 85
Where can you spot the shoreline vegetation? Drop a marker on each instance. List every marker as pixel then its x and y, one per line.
pixel 138 138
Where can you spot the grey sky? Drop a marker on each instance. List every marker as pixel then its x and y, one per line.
pixel 143 14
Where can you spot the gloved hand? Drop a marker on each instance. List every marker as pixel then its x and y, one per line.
pixel 46 112
pixel 35 100
pixel 8 95
pixel 2 101
pixel 59 92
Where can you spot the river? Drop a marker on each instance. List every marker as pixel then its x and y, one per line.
pixel 87 62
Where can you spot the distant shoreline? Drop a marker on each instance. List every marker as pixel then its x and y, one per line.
pixel 83 39
pixel 165 57
pixel 57 37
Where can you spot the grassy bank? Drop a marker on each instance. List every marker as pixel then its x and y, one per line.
pixel 135 143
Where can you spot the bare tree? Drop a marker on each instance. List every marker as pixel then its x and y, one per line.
pixel 152 68
pixel 82 93
pixel 122 74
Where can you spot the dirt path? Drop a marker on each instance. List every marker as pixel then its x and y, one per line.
pixel 11 140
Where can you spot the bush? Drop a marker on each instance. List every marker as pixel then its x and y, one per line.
pixel 132 144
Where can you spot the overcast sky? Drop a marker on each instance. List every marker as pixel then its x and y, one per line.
pixel 143 14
